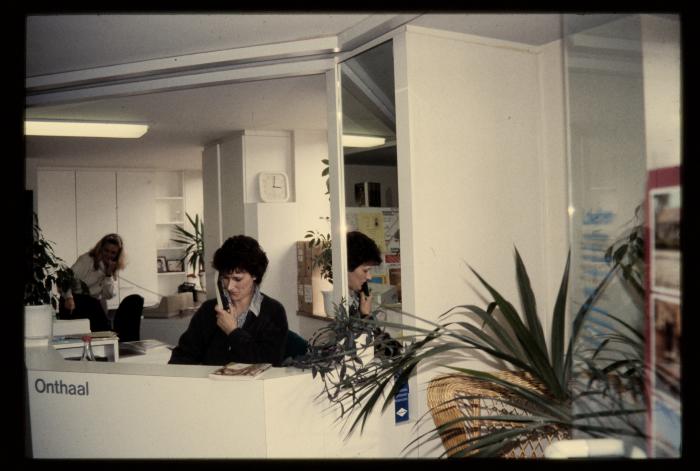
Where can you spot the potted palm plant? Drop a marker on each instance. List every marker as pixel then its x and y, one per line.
pixel 193 242
pixel 502 333
pixel 45 276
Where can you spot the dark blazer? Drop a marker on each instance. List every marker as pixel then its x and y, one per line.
pixel 261 339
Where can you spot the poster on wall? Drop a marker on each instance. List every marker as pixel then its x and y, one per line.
pixel 664 312
pixel 665 222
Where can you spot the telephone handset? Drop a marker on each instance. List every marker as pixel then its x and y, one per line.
pixel 365 288
pixel 222 296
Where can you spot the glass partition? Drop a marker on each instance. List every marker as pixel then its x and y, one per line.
pixel 370 183
pixel 607 165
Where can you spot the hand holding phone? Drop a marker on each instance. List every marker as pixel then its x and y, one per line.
pixel 365 306
pixel 222 297
pixel 365 288
pixel 109 267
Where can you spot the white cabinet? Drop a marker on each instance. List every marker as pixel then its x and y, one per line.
pixel 57 212
pixel 135 209
pixel 76 208
pixel 96 207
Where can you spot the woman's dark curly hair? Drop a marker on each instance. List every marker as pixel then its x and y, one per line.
pixel 241 252
pixel 361 249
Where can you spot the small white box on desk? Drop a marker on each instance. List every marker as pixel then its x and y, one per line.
pixel 71 326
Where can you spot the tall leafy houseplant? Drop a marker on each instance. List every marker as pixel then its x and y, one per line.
pixel 498 331
pixel 323 258
pixel 193 240
pixel 46 273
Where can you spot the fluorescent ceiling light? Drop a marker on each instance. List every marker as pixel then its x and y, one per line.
pixel 42 127
pixel 362 141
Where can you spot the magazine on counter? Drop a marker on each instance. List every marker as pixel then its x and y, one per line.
pixel 239 371
pixel 140 346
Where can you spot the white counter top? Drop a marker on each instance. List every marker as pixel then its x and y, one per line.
pixel 48 359
pixel 141 410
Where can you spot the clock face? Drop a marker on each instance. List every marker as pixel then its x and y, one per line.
pixel 274 187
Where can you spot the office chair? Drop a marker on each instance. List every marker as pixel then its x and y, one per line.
pixel 296 345
pixel 127 319
pixel 86 307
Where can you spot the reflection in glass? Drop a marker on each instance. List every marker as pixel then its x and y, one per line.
pixel 607 180
pixel 371 179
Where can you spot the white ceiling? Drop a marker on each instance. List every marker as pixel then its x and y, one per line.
pixel 183 121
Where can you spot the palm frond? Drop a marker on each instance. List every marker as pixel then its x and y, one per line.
pixel 537 357
pixel 527 297
pixel 192 242
pixel 559 325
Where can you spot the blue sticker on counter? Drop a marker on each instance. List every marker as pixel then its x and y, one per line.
pixel 401 403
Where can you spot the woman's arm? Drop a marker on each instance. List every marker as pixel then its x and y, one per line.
pixel 109 288
pixel 192 345
pixel 80 269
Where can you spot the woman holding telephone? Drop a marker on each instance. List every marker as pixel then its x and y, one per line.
pixel 363 254
pixel 243 324
pixel 95 276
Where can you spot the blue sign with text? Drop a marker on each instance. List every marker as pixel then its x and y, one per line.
pixel 401 403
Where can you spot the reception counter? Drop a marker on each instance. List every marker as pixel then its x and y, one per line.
pixel 145 410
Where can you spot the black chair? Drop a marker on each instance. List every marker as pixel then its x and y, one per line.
pixel 86 307
pixel 127 319
pixel 296 345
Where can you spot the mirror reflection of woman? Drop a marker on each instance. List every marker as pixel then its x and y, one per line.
pixel 363 255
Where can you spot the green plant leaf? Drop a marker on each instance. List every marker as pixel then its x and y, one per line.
pixel 559 325
pixel 510 344
pixel 528 301
pixel 537 358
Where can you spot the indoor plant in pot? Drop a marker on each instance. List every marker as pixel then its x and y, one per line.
pixel 504 334
pixel 45 275
pixel 322 258
pixel 193 242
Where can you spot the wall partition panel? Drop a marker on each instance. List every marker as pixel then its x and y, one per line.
pixel 607 178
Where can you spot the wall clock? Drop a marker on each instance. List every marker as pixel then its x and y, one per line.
pixel 274 187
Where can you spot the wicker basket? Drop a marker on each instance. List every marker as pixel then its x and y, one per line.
pixel 446 405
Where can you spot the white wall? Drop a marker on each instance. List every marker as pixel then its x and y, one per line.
pixel 479 166
pixel 270 224
pixel 194 198
pixel 661 62
pixel 313 205
pixel 312 209
pixel 480 170
pixel 554 169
